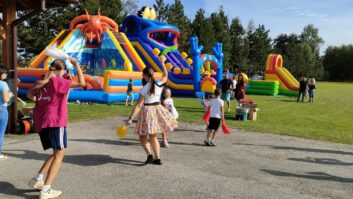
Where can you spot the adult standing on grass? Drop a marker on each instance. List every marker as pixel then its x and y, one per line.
pixel 226 86
pixel 312 87
pixel 154 118
pixel 50 119
pixel 234 80
pixel 5 96
pixel 303 86
pixel 240 88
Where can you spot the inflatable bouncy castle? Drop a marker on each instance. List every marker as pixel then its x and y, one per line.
pixel 109 57
pixel 278 80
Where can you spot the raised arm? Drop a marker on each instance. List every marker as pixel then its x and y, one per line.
pixel 164 69
pixel 81 80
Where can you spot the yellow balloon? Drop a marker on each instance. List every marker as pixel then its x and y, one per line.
pixel 122 131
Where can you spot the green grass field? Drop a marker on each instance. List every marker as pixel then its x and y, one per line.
pixel 329 118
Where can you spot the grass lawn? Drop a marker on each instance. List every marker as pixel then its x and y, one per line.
pixel 329 118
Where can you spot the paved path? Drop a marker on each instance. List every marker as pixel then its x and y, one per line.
pixel 242 165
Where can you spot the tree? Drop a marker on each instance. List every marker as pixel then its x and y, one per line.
pixel 310 35
pixel 338 63
pixel 283 41
pixel 36 33
pixel 259 48
pixel 161 10
pixel 300 60
pixel 181 22
pixel 221 26
pixel 239 49
pixel 202 27
pixel 129 7
pixel 110 8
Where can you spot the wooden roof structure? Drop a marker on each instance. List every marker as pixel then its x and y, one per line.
pixel 37 4
pixel 8 34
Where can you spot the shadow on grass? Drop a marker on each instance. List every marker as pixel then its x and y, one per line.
pixel 10 190
pixel 104 141
pixel 326 161
pixel 310 175
pixel 81 160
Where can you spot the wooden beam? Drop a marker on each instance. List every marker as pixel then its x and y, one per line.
pixel 27 16
pixel 26 3
pixel 10 56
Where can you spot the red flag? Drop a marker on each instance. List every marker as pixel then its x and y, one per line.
pixel 206 116
pixel 225 128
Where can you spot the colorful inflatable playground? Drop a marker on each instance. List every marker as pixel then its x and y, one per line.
pixel 278 80
pixel 109 57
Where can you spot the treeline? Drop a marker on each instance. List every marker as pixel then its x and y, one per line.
pixel 244 48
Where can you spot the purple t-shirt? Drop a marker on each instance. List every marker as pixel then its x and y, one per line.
pixel 51 104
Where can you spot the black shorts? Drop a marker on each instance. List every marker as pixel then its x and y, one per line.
pixel 54 138
pixel 214 123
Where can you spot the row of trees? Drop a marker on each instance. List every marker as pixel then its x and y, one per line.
pixel 244 48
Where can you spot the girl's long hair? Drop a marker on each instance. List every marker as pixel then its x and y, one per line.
pixel 163 95
pixel 57 64
pixel 149 72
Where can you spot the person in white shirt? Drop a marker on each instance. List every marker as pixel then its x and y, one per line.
pixel 168 103
pixel 154 118
pixel 216 106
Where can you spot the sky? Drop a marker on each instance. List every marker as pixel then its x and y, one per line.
pixel 333 18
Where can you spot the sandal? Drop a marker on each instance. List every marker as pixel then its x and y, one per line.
pixel 3 157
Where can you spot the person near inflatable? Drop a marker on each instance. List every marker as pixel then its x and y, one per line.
pixel 312 87
pixel 240 88
pixel 153 118
pixel 168 103
pixel 129 93
pixel 216 110
pixel 5 97
pixel 227 86
pixel 50 119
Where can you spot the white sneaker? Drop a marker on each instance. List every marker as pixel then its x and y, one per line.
pixel 50 194
pixel 37 184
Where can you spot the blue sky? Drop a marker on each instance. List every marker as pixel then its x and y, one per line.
pixel 332 17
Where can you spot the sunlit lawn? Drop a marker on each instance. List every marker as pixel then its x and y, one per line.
pixel 329 118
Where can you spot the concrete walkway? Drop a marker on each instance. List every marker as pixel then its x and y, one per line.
pixel 242 165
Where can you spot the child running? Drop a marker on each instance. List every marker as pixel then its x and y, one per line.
pixel 168 103
pixel 154 118
pixel 216 106
pixel 129 93
pixel 50 119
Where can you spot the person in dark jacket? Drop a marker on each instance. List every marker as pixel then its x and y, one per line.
pixel 303 88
